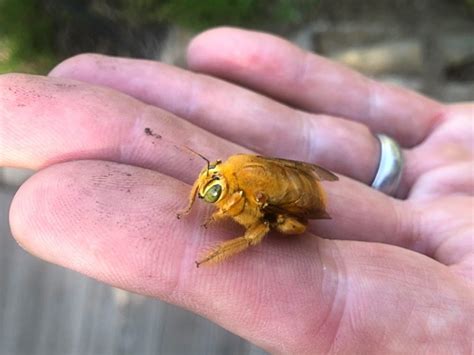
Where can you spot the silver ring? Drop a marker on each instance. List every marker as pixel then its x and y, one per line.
pixel 389 171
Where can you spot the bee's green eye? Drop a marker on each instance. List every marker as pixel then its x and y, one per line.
pixel 213 194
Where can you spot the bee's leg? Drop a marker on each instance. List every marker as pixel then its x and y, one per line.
pixel 289 225
pixel 192 198
pixel 233 207
pixel 217 215
pixel 253 236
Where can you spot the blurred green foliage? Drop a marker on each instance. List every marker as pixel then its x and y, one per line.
pixel 27 27
pixel 201 14
pixel 25 37
pixel 208 13
pixel 34 34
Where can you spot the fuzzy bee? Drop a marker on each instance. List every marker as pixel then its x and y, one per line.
pixel 260 193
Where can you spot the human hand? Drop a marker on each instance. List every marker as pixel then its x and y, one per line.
pixel 396 275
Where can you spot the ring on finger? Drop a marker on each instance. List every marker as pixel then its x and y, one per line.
pixel 390 167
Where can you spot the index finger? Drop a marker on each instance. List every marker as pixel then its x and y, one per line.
pixel 276 67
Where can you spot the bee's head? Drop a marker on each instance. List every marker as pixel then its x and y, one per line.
pixel 212 186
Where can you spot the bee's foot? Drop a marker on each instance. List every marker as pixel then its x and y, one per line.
pixel 180 214
pixel 206 224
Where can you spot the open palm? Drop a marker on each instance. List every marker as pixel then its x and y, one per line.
pixel 390 274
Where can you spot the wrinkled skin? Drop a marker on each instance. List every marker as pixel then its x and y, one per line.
pixel 390 276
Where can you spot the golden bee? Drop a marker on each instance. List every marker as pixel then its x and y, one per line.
pixel 261 194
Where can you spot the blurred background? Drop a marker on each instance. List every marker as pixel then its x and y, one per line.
pixel 427 45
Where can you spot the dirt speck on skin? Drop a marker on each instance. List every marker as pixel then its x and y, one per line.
pixel 28 93
pixel 149 132
pixel 65 85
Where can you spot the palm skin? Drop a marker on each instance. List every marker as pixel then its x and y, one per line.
pixel 391 275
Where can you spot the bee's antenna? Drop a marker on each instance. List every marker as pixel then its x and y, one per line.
pixel 200 155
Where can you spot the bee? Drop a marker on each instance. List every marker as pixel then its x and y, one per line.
pixel 261 194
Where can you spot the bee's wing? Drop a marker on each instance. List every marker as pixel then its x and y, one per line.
pixel 319 172
pixel 301 208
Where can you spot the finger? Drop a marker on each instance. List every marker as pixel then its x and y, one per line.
pixel 51 120
pixel 275 67
pixel 116 223
pixel 237 114
pixel 46 120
